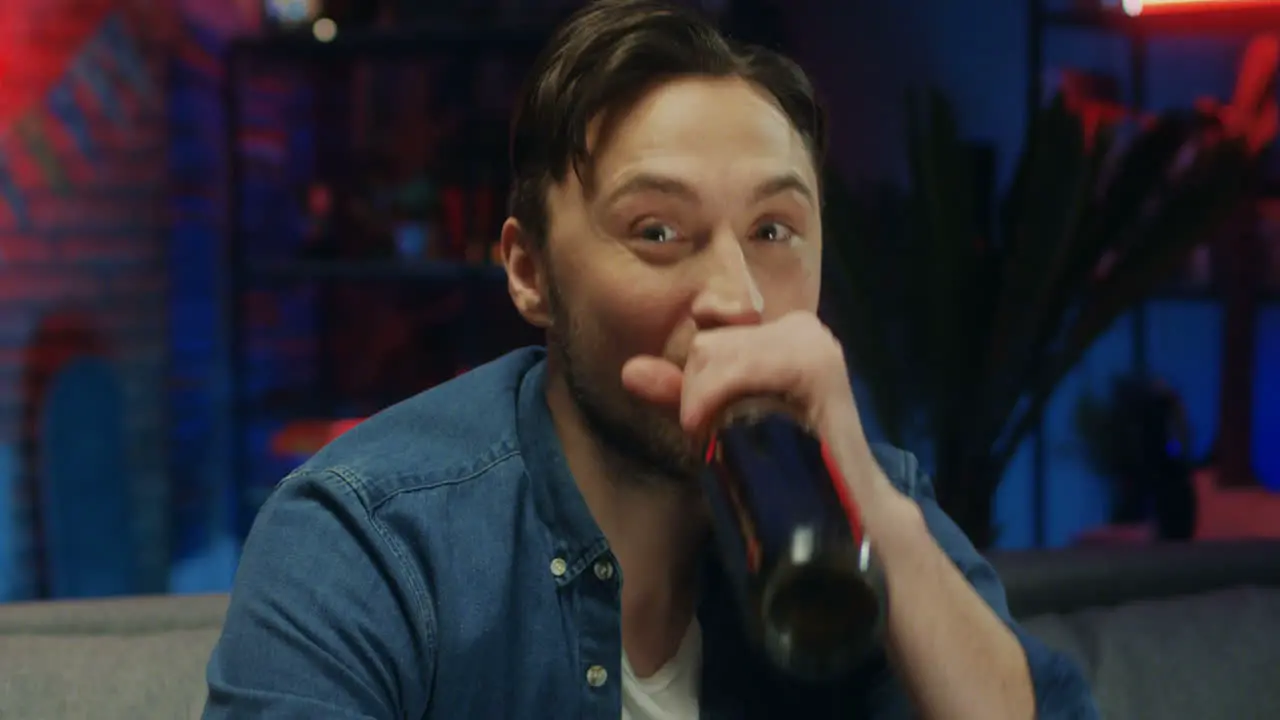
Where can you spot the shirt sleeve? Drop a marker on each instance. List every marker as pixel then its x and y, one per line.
pixel 1062 693
pixel 322 622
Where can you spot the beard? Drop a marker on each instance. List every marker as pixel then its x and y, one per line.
pixel 649 445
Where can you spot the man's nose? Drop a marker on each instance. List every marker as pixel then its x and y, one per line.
pixel 730 295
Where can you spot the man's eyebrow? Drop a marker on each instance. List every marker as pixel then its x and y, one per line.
pixel 650 182
pixel 790 182
pixel 666 185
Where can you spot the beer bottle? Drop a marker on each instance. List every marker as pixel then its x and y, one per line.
pixel 792 542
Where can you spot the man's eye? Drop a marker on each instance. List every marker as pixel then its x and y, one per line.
pixel 774 232
pixel 658 233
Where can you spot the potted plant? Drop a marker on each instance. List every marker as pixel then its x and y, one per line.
pixel 1137 436
pixel 960 332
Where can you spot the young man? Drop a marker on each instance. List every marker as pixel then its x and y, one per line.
pixel 529 541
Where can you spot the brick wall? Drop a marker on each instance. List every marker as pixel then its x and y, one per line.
pixel 83 245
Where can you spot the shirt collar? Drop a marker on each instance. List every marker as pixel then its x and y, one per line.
pixel 576 537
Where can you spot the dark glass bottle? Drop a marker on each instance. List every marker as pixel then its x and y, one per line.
pixel 792 543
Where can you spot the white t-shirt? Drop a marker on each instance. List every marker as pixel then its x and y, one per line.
pixel 672 692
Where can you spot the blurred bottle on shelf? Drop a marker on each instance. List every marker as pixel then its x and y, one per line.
pixel 415 212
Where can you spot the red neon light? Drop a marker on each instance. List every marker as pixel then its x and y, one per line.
pixel 32 64
pixel 1134 8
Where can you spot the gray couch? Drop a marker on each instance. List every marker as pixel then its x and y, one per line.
pixel 1168 632
pixel 123 659
pixel 1164 633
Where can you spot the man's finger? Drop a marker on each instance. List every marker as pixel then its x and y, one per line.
pixel 653 379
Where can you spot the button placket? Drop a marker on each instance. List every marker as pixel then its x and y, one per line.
pixel 599 641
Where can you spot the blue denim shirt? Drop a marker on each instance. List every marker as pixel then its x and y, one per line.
pixel 437 561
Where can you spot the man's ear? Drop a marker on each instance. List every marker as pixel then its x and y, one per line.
pixel 526 278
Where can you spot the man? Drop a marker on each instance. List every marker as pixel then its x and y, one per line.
pixel 529 541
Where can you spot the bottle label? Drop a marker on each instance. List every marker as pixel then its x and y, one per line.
pixel 737 506
pixel 768 478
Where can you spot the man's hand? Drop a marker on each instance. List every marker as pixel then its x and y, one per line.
pixel 957 658
pixel 795 358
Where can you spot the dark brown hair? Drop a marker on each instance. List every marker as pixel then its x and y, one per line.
pixel 604 58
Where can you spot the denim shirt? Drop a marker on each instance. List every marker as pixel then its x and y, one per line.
pixel 437 561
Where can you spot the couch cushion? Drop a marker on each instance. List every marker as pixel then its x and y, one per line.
pixel 1201 656
pixel 105 677
pixel 116 659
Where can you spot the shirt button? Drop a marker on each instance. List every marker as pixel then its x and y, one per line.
pixel 604 569
pixel 559 567
pixel 597 676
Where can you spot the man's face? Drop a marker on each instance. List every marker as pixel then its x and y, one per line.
pixel 702 212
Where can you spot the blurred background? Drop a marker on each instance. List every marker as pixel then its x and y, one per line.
pixel 229 229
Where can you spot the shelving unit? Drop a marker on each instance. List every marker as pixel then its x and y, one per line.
pixel 372 271
pixel 1137 31
pixel 1195 22
pixel 1269 297
pixel 257 262
pixel 391 43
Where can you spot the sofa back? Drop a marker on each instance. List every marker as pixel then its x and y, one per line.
pixel 117 659
pixel 1163 632
pixel 1067 580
